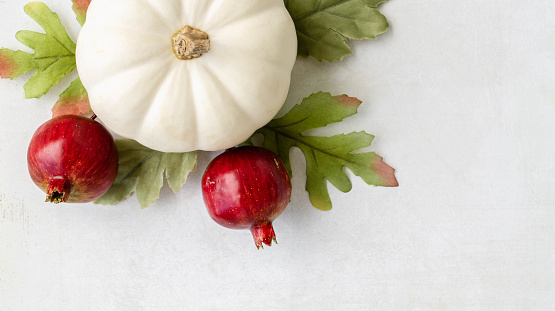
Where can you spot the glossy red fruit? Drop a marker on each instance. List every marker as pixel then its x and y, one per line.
pixel 247 188
pixel 72 159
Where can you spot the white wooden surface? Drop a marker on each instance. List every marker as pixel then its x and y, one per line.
pixel 461 97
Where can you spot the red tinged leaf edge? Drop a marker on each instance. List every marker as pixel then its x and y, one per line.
pixel 74 106
pixel 348 101
pixel 80 8
pixel 7 65
pixel 74 100
pixel 386 172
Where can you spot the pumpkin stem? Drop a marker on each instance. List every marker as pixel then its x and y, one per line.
pixel 189 43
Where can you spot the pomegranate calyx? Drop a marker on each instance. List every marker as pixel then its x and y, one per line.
pixel 58 190
pixel 263 233
pixel 55 197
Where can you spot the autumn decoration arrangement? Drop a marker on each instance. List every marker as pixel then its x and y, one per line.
pixel 179 77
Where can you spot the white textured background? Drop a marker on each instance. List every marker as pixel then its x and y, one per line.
pixel 461 97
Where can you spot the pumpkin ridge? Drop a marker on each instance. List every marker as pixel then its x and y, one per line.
pixel 242 17
pixel 228 93
pixel 154 8
pixel 130 125
pixel 123 70
pixel 171 73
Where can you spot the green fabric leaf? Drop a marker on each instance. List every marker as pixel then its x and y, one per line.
pixel 54 55
pixel 141 171
pixel 80 8
pixel 15 63
pixel 74 100
pixel 323 26
pixel 326 156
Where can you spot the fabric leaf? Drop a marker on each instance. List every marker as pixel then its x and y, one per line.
pixel 141 170
pixel 80 8
pixel 15 63
pixel 323 26
pixel 54 55
pixel 74 100
pixel 326 156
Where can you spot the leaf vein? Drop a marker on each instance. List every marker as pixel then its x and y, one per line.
pixel 291 124
pixel 300 32
pixel 311 146
pixel 158 167
pixel 52 57
pixel 63 45
pixel 321 10
pixel 138 166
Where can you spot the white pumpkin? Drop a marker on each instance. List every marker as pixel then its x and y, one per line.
pixel 231 77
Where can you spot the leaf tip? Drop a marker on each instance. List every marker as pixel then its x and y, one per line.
pixel 74 101
pixel 348 101
pixel 80 8
pixel 6 66
pixel 322 203
pixel 73 107
pixel 146 202
pixel 386 172
pixel 33 5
